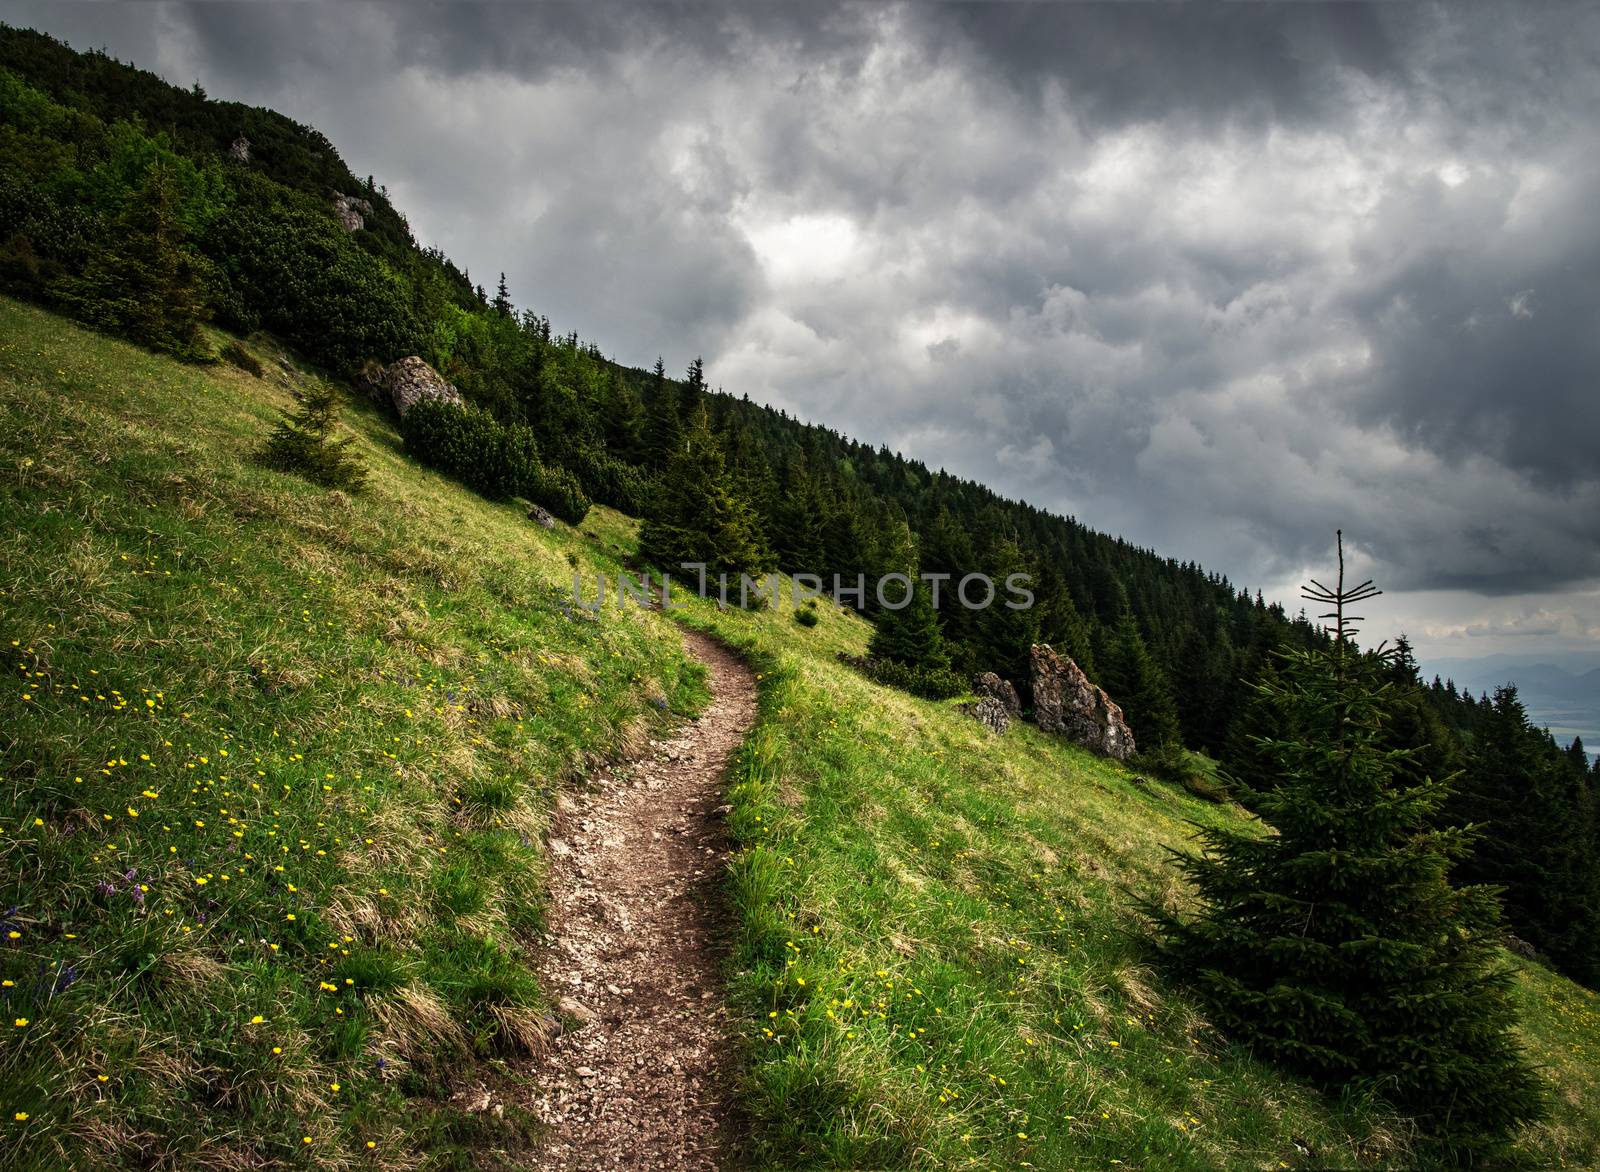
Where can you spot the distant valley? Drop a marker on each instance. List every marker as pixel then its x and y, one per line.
pixel 1561 691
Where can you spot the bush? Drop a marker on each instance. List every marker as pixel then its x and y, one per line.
pixel 463 442
pixel 558 491
pixel 303 443
pixel 1173 763
pixel 283 264
pixel 929 682
pixel 242 358
pixel 490 457
pixel 611 482
pixel 807 616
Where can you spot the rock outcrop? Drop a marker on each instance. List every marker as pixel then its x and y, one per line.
pixel 986 683
pixel 350 211
pixel 1066 702
pixel 239 151
pixel 989 712
pixel 541 517
pixel 411 380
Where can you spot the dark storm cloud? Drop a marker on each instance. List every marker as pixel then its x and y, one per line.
pixel 1217 277
pixel 1120 63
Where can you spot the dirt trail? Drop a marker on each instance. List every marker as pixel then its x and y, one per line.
pixel 644 1081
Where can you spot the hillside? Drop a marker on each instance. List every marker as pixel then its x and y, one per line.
pixel 222 671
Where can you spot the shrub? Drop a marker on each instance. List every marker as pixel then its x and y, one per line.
pixel 806 616
pixel 303 443
pixel 611 482
pixel 558 491
pixel 929 682
pixel 463 442
pixel 490 457
pixel 283 264
pixel 242 358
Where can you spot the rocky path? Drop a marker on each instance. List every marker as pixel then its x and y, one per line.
pixel 641 1077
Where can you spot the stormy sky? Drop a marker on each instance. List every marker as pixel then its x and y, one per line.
pixel 1219 279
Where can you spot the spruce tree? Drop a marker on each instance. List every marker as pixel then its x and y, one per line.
pixel 694 389
pixel 909 634
pixel 1536 842
pixel 1136 682
pixel 663 425
pixel 142 283
pixel 1337 946
pixel 698 516
pixel 1006 635
pixel 303 443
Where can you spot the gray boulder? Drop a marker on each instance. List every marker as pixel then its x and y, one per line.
pixel 986 683
pixel 350 211
pixel 1065 701
pixel 541 517
pixel 411 380
pixel 990 713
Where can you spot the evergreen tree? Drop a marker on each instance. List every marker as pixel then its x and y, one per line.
pixel 799 535
pixel 1577 759
pixel 947 549
pixel 694 389
pixel 699 517
pixel 1006 635
pixel 142 283
pixel 1250 765
pixel 624 421
pixel 1536 841
pixel 502 298
pixel 663 425
pixel 1338 946
pixel 1136 682
pixel 303 443
pixel 910 634
pixel 1060 623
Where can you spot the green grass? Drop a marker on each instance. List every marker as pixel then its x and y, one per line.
pixel 276 764
pixel 935 963
pixel 939 967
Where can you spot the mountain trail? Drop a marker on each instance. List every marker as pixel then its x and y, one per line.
pixel 641 1077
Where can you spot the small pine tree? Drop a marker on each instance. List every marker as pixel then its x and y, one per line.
pixel 303 443
pixel 502 298
pixel 1338 945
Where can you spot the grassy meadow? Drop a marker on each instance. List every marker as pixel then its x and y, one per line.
pixel 938 966
pixel 276 764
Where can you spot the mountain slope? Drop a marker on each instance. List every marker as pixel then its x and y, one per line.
pixel 940 967
pixel 931 968
pixel 276 767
